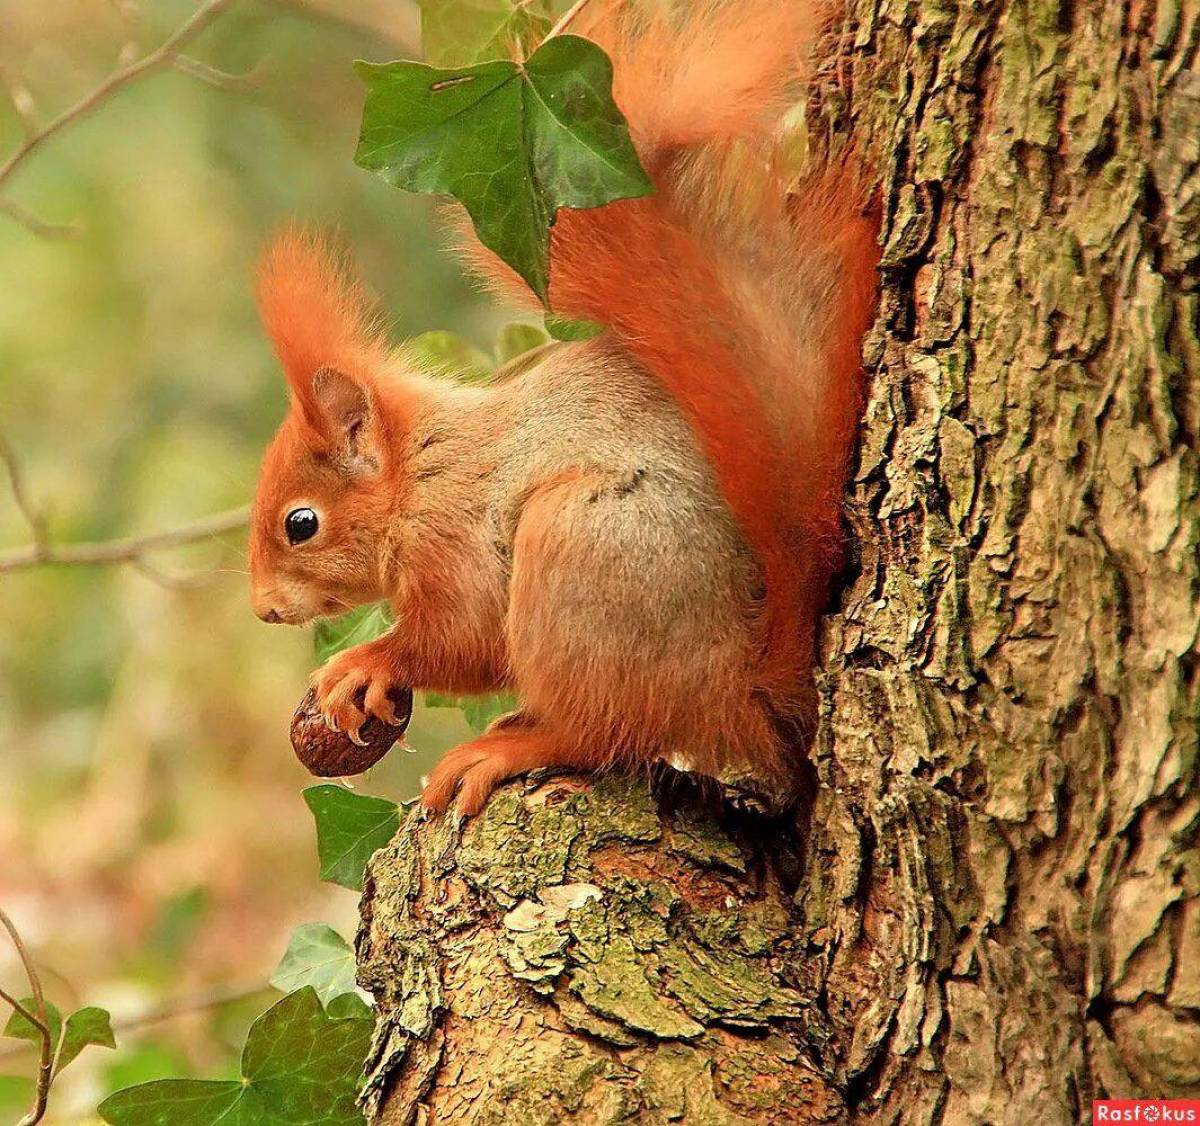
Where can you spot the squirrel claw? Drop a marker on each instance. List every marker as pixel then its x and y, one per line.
pixel 352 688
pixel 384 715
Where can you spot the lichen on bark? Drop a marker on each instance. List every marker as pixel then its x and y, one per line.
pixel 586 951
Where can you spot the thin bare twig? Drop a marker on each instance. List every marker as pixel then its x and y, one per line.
pixel 39 226
pixel 213 76
pixel 567 19
pixel 197 1003
pixel 41 1022
pixel 169 1010
pixel 20 1008
pixel 131 549
pixel 130 68
pixel 170 579
pixel 164 56
pixel 34 516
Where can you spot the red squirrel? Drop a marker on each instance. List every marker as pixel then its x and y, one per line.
pixel 636 533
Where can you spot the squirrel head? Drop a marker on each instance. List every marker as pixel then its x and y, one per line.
pixel 322 508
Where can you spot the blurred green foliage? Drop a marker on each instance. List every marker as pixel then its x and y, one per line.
pixel 155 839
pixel 154 807
pixel 459 34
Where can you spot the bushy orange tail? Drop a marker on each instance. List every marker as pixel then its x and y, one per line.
pixel 747 295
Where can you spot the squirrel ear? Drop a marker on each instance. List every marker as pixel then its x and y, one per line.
pixel 341 400
pixel 345 407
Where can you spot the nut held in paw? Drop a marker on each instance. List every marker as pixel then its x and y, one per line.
pixel 331 754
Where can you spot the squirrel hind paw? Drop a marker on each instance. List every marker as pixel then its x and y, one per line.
pixel 468 775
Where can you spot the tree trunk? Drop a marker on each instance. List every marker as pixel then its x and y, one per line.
pixel 994 914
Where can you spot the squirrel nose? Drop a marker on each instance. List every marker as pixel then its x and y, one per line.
pixel 271 615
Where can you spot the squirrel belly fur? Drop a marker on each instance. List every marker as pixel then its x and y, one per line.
pixel 636 533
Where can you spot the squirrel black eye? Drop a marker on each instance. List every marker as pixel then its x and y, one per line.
pixel 300 525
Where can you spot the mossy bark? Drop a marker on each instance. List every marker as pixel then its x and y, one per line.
pixel 576 953
pixel 993 913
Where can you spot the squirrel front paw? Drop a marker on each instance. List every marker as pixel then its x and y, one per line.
pixel 354 685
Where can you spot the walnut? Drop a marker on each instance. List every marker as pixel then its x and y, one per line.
pixel 332 754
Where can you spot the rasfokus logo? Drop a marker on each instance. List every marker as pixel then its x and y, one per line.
pixel 1153 1112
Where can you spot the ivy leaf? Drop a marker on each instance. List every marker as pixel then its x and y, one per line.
pixel 349 1006
pixel 478 710
pixel 89 1025
pixel 21 1029
pixel 564 328
pixel 318 956
pixel 181 1102
pixel 516 339
pixel 300 1065
pixel 460 32
pixel 365 623
pixel 350 827
pixel 444 353
pixel 513 143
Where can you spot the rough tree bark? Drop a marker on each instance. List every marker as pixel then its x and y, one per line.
pixel 993 914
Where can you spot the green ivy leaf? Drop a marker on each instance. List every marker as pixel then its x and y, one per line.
pixel 478 710
pixel 89 1025
pixel 300 1064
pixel 516 339
pixel 350 827
pixel 564 328
pixel 365 623
pixel 21 1029
pixel 461 32
pixel 182 1102
pixel 318 956
pixel 513 143
pixel 350 1006
pixel 444 353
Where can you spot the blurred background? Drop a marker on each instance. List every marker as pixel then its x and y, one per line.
pixel 154 847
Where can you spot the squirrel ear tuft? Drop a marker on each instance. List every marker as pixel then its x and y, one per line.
pixel 319 316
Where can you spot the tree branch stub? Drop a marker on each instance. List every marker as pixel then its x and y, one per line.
pixel 578 953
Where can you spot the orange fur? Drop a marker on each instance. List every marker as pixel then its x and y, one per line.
pixel 321 320
pixel 655 271
pixel 473 770
pixel 707 74
pixel 317 315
